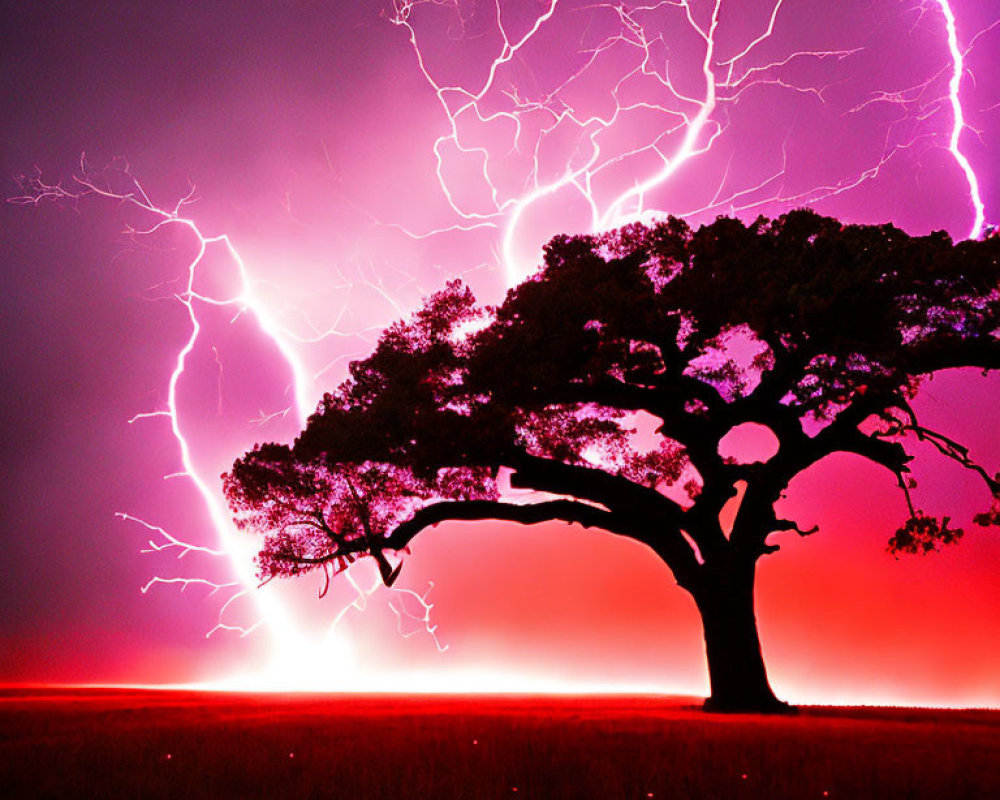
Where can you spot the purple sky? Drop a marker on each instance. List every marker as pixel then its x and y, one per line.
pixel 310 133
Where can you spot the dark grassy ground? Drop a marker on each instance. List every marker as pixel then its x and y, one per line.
pixel 76 743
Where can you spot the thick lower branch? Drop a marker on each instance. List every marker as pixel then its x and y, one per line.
pixel 620 495
pixel 529 514
pixel 637 512
pixel 666 541
pixel 564 510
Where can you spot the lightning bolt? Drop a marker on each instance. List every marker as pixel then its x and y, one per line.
pixel 244 302
pixel 271 611
pixel 958 126
pixel 691 121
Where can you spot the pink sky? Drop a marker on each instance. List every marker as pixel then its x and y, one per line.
pixel 310 134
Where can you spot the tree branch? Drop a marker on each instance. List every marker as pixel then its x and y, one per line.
pixel 842 435
pixel 590 483
pixel 958 453
pixel 791 525
pixel 321 524
pixel 459 510
pixel 665 401
pixel 945 445
pixel 637 512
pixel 529 514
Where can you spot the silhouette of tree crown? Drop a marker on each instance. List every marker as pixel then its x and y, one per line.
pixel 820 331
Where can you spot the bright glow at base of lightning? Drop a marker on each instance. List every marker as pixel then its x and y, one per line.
pixel 299 660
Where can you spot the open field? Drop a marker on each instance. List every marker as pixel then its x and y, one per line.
pixel 134 743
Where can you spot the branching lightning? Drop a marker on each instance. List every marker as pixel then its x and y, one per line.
pixel 170 539
pixel 270 608
pixel 691 122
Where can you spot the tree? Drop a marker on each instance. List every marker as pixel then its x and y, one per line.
pixel 817 330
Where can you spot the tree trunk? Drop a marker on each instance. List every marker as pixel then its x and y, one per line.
pixel 735 665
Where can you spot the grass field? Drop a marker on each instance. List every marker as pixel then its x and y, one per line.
pixel 82 743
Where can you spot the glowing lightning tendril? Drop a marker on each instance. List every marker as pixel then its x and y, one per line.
pixel 725 82
pixel 954 85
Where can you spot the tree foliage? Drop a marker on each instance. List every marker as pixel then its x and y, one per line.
pixel 820 331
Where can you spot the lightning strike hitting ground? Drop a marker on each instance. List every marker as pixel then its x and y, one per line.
pixel 269 608
pixel 91 183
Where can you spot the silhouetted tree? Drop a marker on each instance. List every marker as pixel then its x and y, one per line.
pixel 817 330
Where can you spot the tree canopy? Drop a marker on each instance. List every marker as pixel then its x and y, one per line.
pixel 820 331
